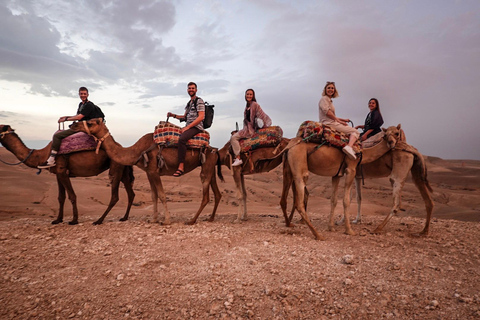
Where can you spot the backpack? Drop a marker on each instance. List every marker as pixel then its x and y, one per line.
pixel 208 120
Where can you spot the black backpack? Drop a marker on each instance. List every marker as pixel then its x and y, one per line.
pixel 208 120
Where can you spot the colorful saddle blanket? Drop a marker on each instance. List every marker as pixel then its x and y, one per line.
pixel 316 132
pixel 167 134
pixel 266 137
pixel 79 141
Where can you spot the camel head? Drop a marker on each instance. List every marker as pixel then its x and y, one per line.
pixel 94 127
pixel 393 135
pixel 4 130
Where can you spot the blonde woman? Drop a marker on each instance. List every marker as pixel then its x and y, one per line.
pixel 328 117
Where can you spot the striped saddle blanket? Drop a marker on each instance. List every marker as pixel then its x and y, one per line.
pixel 167 134
pixel 266 137
pixel 312 131
pixel 79 141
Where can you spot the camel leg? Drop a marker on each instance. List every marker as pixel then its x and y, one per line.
pixel 127 180
pixel 287 183
pixel 423 186
pixel 67 184
pixel 300 177
pixel 349 177
pixel 208 178
pixel 61 201
pixel 333 203
pixel 358 188
pixel 115 177
pixel 397 179
pixel 217 197
pixel 241 194
pixel 157 192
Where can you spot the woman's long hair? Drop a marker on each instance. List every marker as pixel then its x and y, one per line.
pixel 377 103
pixel 253 99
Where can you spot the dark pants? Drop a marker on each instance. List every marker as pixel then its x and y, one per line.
pixel 59 136
pixel 182 142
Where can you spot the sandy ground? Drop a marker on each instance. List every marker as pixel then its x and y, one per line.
pixel 258 269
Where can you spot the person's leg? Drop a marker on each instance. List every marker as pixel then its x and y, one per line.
pixel 234 141
pixel 182 149
pixel 56 142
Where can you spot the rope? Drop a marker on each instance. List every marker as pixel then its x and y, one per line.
pixel 20 162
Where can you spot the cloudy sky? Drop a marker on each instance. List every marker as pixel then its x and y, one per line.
pixel 420 58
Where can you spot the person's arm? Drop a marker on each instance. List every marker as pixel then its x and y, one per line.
pixel 176 116
pixel 71 118
pixel 365 135
pixel 201 116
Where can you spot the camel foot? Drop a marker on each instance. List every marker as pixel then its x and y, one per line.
pixel 166 223
pixel 319 237
pixel 377 231
pixel 419 234
pixel 239 220
pixel 190 222
pixel 331 228
pixel 96 223
pixel 57 221
pixel 73 222
pixel 350 232
pixel 357 221
pixel 210 219
pixel 123 219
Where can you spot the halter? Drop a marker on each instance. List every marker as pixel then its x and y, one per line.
pixel 2 135
pixel 99 141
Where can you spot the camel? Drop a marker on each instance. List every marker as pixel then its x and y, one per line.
pixel 396 164
pixel 77 164
pixel 325 160
pixel 248 168
pixel 145 148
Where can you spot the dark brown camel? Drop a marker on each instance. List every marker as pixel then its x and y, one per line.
pixel 248 168
pixel 144 154
pixel 77 164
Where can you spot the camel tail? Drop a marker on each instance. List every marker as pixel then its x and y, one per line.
pixel 419 171
pixel 128 172
pixel 261 165
pixel 219 168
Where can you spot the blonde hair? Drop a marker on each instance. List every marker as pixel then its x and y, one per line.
pixel 335 94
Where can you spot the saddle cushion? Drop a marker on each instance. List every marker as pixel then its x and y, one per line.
pixel 79 141
pixel 316 132
pixel 167 134
pixel 266 137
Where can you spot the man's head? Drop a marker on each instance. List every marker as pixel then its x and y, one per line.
pixel 192 89
pixel 83 93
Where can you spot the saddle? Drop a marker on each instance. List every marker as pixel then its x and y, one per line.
pixel 265 137
pixel 167 134
pixel 315 132
pixel 79 141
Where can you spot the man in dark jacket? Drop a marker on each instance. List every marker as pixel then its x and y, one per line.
pixel 86 111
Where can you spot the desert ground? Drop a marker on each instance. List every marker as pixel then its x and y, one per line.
pixel 258 269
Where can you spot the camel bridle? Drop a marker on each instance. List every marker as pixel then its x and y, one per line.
pixel 99 141
pixel 2 135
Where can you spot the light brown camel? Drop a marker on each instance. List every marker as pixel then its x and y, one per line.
pixel 77 164
pixel 247 168
pixel 145 149
pixel 301 157
pixel 396 164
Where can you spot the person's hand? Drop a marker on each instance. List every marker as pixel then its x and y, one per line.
pixel 169 114
pixel 62 119
pixel 184 129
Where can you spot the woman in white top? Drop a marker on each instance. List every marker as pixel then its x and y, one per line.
pixel 328 118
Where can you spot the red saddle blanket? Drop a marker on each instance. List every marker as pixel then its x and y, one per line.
pixel 266 137
pixel 167 134
pixel 79 141
pixel 312 131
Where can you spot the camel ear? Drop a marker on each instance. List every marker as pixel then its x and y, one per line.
pixel 384 130
pixel 399 126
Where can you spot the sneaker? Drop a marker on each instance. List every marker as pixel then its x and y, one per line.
pixel 237 162
pixel 46 165
pixel 349 152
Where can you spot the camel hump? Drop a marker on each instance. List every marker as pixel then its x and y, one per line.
pixel 167 134
pixel 265 137
pixel 315 132
pixel 76 142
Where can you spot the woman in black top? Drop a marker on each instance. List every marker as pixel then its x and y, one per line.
pixel 373 121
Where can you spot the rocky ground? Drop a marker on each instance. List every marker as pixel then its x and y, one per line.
pixel 258 269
